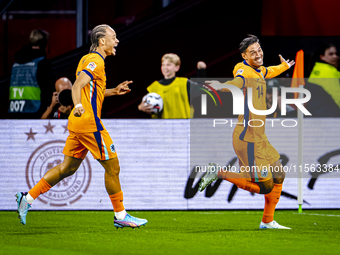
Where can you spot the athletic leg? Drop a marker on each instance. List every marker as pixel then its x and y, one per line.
pixel 67 168
pixel 250 179
pixel 254 187
pixel 112 183
pixel 51 177
pixel 113 188
pixel 273 197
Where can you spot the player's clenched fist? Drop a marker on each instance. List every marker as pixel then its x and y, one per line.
pixel 78 110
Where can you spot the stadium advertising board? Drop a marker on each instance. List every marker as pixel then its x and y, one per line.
pixel 157 159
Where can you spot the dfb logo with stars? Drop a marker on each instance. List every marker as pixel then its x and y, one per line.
pixel 47 155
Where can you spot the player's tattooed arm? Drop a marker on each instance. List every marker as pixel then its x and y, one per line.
pixel 121 89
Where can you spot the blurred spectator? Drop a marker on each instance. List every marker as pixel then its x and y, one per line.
pixel 321 103
pixel 31 81
pixel 290 111
pixel 201 69
pixel 324 64
pixel 175 91
pixel 61 103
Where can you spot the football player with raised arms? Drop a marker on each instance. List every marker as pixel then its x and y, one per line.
pixel 86 130
pixel 250 141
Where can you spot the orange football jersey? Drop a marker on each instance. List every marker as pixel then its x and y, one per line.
pixel 254 78
pixel 92 95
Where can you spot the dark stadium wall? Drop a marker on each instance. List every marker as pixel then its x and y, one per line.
pixel 300 18
pixel 59 19
pixel 23 16
pixel 210 31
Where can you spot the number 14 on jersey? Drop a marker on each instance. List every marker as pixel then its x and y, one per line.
pixel 259 91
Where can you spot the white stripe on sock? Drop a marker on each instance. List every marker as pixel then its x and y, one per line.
pixel 120 215
pixel 29 198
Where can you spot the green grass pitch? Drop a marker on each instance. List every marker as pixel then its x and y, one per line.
pixel 170 232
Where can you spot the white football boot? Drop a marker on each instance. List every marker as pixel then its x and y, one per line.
pixel 209 177
pixel 272 225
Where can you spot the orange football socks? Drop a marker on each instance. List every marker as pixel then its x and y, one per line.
pixel 40 188
pixel 240 181
pixel 117 201
pixel 271 199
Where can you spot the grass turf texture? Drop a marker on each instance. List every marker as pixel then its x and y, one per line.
pixel 170 232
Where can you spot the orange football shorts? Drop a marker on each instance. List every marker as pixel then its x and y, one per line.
pixel 254 158
pixel 98 143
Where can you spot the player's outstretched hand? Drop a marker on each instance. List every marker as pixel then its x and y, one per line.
pixel 78 111
pixel 123 88
pixel 216 85
pixel 290 63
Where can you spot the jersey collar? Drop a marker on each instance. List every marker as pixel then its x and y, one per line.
pixel 99 54
pixel 257 70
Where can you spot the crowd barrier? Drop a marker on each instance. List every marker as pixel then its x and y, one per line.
pixel 157 158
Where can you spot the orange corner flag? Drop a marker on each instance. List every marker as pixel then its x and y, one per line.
pixel 298 73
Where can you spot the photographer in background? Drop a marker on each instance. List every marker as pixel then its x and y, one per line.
pixel 61 104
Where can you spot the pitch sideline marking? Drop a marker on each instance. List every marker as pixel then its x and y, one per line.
pixel 314 214
pixel 319 214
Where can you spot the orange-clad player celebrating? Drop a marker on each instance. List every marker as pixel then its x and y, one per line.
pixel 87 132
pixel 256 155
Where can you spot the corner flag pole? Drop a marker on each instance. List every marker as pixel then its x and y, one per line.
pixel 300 156
pixel 298 81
